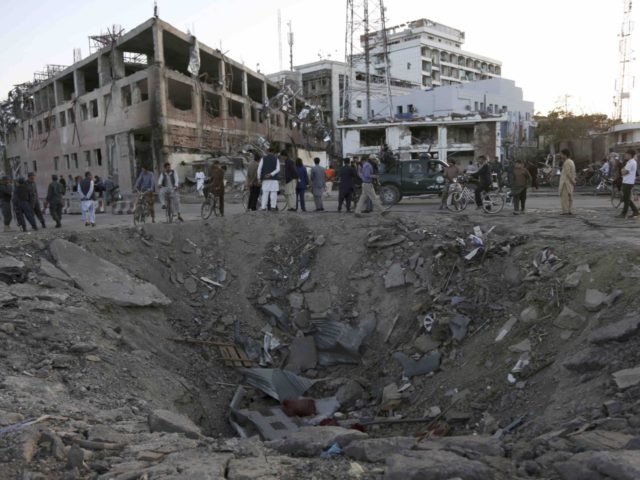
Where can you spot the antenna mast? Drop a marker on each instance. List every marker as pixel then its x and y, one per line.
pixel 624 84
pixel 290 41
pixel 280 40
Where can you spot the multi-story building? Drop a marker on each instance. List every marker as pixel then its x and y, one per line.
pixel 429 54
pixel 624 136
pixel 153 95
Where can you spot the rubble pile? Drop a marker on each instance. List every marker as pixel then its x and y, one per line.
pixel 284 347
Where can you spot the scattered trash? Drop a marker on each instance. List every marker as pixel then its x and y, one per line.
pixel 391 397
pixel 211 282
pixel 279 384
pixel 299 407
pixel 340 343
pixel 428 321
pixel 426 364
pixel 355 470
pixel 477 241
pixel 511 379
pixel 333 450
pixel 510 428
pixel 458 326
pixel 472 254
pixel 506 328
pixel 521 364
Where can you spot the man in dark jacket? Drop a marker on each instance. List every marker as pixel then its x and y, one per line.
pixel 35 201
pixel 253 182
pixel 345 192
pixel 6 191
pixel 22 205
pixel 55 199
pixel 290 181
pixel 484 180
pixel 217 184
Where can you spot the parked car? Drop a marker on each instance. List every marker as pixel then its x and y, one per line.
pixel 411 178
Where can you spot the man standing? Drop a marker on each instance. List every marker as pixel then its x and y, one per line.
pixel 217 184
pixel 345 192
pixel 55 198
pixel 35 201
pixel 290 181
pixel 496 168
pixel 200 178
pixel 22 205
pixel 450 174
pixel 483 174
pixel 168 182
pixel 303 182
pixel 253 182
pixel 368 192
pixel 268 171
pixel 628 181
pixel 318 180
pixel 86 190
pixel 146 185
pixel 567 182
pixel 6 191
pixel 521 181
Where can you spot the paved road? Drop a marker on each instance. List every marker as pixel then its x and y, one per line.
pixel 541 201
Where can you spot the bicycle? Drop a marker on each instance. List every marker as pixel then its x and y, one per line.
pixel 141 208
pixel 168 204
pixel 209 206
pixel 460 195
pixel 605 186
pixel 616 196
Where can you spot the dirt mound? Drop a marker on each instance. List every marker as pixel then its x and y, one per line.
pixel 460 350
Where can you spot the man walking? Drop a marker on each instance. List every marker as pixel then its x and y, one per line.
pixel 146 185
pixel 35 201
pixel 567 182
pixel 55 199
pixel 290 181
pixel 628 181
pixel 365 173
pixel 22 205
pixel 483 174
pixel 168 182
pixel 253 182
pixel 347 185
pixel 450 174
pixel 303 182
pixel 521 181
pixel 6 191
pixel 217 184
pixel 268 171
pixel 318 181
pixel 87 207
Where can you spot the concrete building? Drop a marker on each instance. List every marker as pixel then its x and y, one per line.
pixel 463 138
pixel 430 54
pixel 625 136
pixel 496 96
pixel 154 95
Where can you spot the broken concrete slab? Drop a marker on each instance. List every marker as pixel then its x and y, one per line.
pixel 458 326
pixel 276 316
pixel 318 302
pixel 279 384
pixel 627 378
pixel 394 278
pixel 426 364
pixel 29 291
pixel 50 270
pixel 302 354
pixel 311 441
pixel 594 299
pixel 617 331
pixel 172 422
pixel 614 465
pixel 589 360
pixel 296 301
pixel 435 465
pixel 424 343
pixel 569 320
pixel 376 450
pixel 102 279
pixel 12 270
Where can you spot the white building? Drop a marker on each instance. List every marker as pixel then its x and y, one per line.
pixel 497 96
pixel 430 54
pixel 625 136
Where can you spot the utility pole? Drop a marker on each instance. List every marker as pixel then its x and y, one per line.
pixel 624 84
pixel 279 40
pixel 290 41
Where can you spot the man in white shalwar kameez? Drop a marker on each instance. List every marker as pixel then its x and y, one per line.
pixel 268 170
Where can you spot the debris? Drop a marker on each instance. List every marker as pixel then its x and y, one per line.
pixel 569 320
pixel 355 470
pixel 391 328
pixel 522 347
pixel 626 378
pixel 506 328
pixel 617 331
pixel 529 314
pixel 458 326
pixel 424 344
pixel 394 277
pixel 168 421
pixel 391 397
pixel 302 354
pixel 277 317
pixel 471 255
pixel 426 364
pixel 299 407
pixel 12 270
pixel 333 450
pixel 510 428
pixel 296 301
pixel 348 393
pixel 318 302
pixel 511 379
pixel 521 364
pixel 211 282
pixel 279 384
pixel 593 299
pixel 271 422
pixel 311 441
pixel 340 343
pixel 377 242
pixel 573 279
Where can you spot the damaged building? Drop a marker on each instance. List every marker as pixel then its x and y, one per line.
pixel 150 95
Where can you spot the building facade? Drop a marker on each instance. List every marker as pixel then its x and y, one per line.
pixel 154 95
pixel 430 54
pixel 624 137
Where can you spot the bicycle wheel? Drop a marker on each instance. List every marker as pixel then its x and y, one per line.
pixel 207 207
pixel 616 197
pixel 492 203
pixel 456 202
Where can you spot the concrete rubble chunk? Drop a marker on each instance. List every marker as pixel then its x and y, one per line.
pixel 609 465
pixel 5 295
pixel 377 450
pixel 601 440
pixel 348 393
pixel 296 301
pixel 617 331
pixel 29 291
pixel 424 343
pixel 435 465
pixel 276 315
pixel 529 314
pixel 458 326
pixel 594 299
pixel 172 422
pixel 102 279
pixel 264 468
pixel 279 384
pixel 626 378
pixel 522 347
pixel 10 262
pixel 318 302
pixel 190 285
pixel 50 270
pixel 394 278
pixel 569 320
pixel 311 441
pixel 302 354
pixel 573 279
pixel 586 361
pixel 426 364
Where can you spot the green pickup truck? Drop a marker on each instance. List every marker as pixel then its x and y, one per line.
pixel 410 178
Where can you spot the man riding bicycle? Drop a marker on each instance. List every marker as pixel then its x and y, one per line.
pixel 146 185
pixel 168 182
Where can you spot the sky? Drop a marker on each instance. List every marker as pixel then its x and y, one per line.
pixel 559 51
